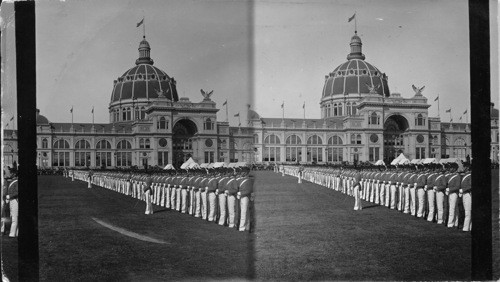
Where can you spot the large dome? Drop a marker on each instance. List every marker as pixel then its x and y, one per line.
pixel 356 75
pixel 41 119
pixel 144 81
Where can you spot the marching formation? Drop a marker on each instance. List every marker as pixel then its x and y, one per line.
pixel 429 191
pixel 221 195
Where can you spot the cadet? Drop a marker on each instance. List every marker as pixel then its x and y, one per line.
pixel 465 193
pixel 452 191
pixel 245 195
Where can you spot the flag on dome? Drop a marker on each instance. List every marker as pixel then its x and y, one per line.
pixel 437 98
pixel 465 112
pixel 71 111
pixel 225 103
pixel 351 18
pixel 11 118
pixel 448 110
pixel 140 23
pixel 92 109
pixel 304 105
pixel 237 115
pixel 282 105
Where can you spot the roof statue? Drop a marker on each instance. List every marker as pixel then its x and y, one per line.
pixel 161 92
pixel 372 88
pixel 206 94
pixel 418 91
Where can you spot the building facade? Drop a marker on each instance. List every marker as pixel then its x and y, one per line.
pixel 361 120
pixel 149 125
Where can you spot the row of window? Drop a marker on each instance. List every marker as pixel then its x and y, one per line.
pixel 144 143
pixel 125 114
pixel 356 72
pixel 294 154
pixel 336 109
pixel 296 140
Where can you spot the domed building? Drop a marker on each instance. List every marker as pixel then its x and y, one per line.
pixel 361 120
pixel 149 125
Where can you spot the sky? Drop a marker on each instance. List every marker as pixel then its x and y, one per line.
pixel 82 46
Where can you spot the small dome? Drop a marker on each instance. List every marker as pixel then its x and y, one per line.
pixel 356 75
pixel 41 119
pixel 144 80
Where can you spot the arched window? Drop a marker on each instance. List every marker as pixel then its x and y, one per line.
pixel 293 140
pixel 162 123
pixel 335 149
pixel 124 145
pixel 82 144
pixel 61 144
pixel 374 119
pixel 339 109
pixel 356 139
pixel 447 141
pixel 348 108
pixel 129 113
pixel 419 120
pixel 103 144
pixel 314 140
pixel 314 153
pixel 143 113
pixel 335 140
pixel 328 110
pixel 353 109
pixel 45 143
pixel 272 139
pixel 460 142
pixel 335 110
pixel 209 124
pixel 293 153
pixel 255 138
pixel 137 113
pixel 148 144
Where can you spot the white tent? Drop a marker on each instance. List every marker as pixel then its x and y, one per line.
pixel 396 160
pixel 169 167
pixel 380 162
pixel 193 165
pixel 416 161
pixel 403 161
pixel 210 165
pixel 204 165
pixel 187 163
pixel 430 160
pixel 443 161
pixel 219 164
pixel 241 164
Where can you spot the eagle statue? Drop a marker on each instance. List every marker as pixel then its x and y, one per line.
pixel 418 91
pixel 206 95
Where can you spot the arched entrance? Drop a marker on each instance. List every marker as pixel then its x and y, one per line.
pixel 394 131
pixel 184 132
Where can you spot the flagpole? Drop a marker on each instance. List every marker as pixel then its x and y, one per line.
pixel 438 108
pixel 227 118
pixel 92 114
pixel 450 114
pixel 355 23
pixel 283 109
pixel 304 107
pixel 71 115
pixel 144 26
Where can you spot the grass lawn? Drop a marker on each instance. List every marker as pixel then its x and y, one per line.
pixel 303 232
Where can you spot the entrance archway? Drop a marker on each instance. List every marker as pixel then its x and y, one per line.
pixel 394 132
pixel 184 132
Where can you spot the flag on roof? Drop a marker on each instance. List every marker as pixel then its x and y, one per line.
pixel 448 110
pixel 225 103
pixel 437 98
pixel 140 23
pixel 237 115
pixel 352 18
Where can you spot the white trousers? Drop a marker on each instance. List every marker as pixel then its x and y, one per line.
pixel 357 199
pixel 421 202
pixel 413 200
pixel 431 195
pixel 393 196
pixel 222 208
pixel 197 195
pixel 204 207
pixel 14 213
pixel 244 214
pixel 212 201
pixel 184 200
pixel 440 206
pixel 453 210
pixel 231 207
pixel 407 199
pixel 467 200
pixel 149 205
